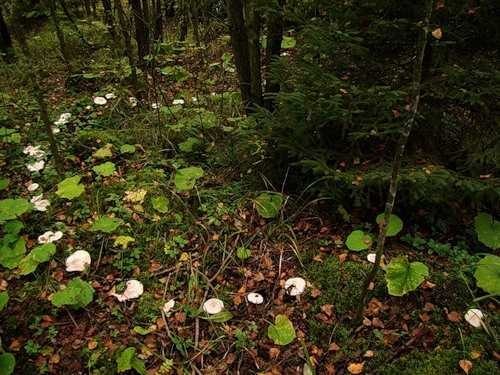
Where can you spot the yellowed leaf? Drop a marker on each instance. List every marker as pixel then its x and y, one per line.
pixel 437 33
pixel 356 368
pixel 465 365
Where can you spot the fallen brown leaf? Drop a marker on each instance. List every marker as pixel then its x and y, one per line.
pixel 465 365
pixel 356 368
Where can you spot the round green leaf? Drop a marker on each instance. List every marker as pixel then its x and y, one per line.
pixel 282 331
pixel 127 149
pixel 243 253
pixel 105 169
pixel 185 178
pixel 488 230
pixel 10 257
pixel 395 224
pixel 7 363
pixel 403 277
pixel 268 205
pixel 358 240
pixel 160 204
pixel 13 208
pixel 70 188
pixel 104 152
pixel 77 294
pixel 105 224
pixel 39 254
pixel 488 274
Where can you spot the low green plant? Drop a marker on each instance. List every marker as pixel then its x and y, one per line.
pixel 77 294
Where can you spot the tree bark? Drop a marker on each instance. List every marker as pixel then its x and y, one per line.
pixel 239 41
pixel 273 49
pixel 253 27
pixel 108 17
pixel 141 31
pixel 158 24
pixel 398 157
pixel 5 40
pixel 127 40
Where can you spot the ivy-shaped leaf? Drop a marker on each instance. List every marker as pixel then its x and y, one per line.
pixel 11 256
pixel 185 178
pixel 13 208
pixel 403 277
pixel 220 317
pixel 4 298
pixel 77 294
pixel 106 224
pixel 70 188
pixel 104 152
pixel 395 224
pixel 123 241
pixel 282 331
pixel 268 205
pixel 488 230
pixel 105 169
pixel 488 274
pixel 7 363
pixel 38 255
pixel 358 240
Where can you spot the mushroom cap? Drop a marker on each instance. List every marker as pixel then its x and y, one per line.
pixel 36 166
pixel 49 236
pixel 110 96
pixel 213 306
pixel 99 100
pixel 178 102
pixel 474 317
pixel 295 286
pixel 133 290
pixel 39 203
pixel 168 306
pixel 33 186
pixel 371 257
pixel 78 261
pixel 255 298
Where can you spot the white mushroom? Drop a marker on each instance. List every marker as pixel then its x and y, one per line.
pixel 34 151
pixel 63 119
pixel 133 101
pixel 110 96
pixel 155 105
pixel 371 257
pixel 168 306
pixel 56 130
pixel 78 261
pixel 213 306
pixel 133 290
pixel 178 102
pixel 33 186
pixel 474 317
pixel 255 298
pixel 49 237
pixel 99 100
pixel 36 166
pixel 295 286
pixel 39 203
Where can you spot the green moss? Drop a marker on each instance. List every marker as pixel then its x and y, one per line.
pixel 148 309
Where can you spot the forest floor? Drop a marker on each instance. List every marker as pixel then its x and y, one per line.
pixel 205 242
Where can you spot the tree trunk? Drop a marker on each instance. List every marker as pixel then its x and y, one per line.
pixel 59 32
pixel 239 41
pixel 127 40
pixel 141 31
pixel 158 25
pixel 195 21
pixel 6 48
pixel 273 49
pixel 396 165
pixel 253 27
pixel 86 5
pixel 72 22
pixel 108 17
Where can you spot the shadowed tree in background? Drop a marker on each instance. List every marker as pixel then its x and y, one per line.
pixel 108 17
pixel 127 40
pixel 6 48
pixel 273 48
pixel 60 35
pixel 141 29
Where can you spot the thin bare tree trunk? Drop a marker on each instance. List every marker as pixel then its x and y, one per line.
pixel 273 49
pixel 108 17
pixel 396 165
pixel 141 31
pixel 73 23
pixel 59 32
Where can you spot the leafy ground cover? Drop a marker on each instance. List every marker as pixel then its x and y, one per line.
pixel 163 249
